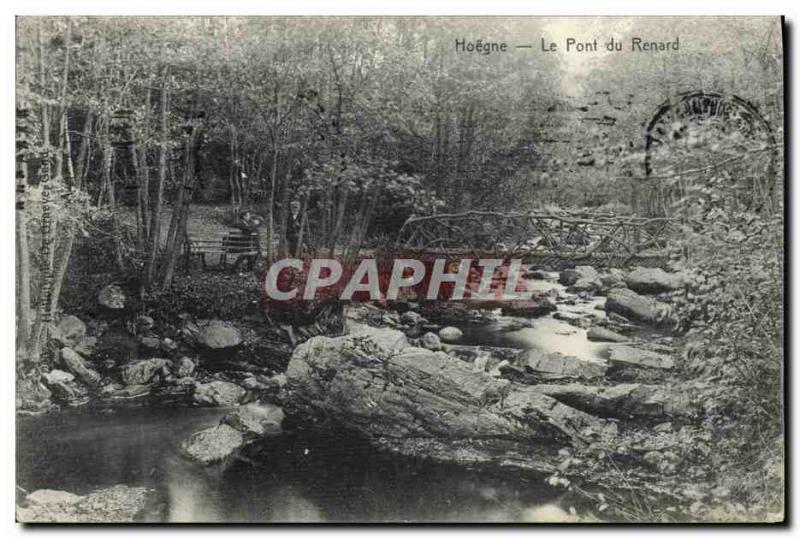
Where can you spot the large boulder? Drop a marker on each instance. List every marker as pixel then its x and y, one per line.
pixel 642 358
pixel 218 393
pixel 557 366
pixel 633 306
pixel 529 308
pixel 70 331
pixel 112 297
pixel 653 280
pixel 117 504
pixel 77 365
pixel 141 372
pixel 581 278
pixel 218 334
pixel 424 403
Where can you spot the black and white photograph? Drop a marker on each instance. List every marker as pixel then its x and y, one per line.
pixel 399 269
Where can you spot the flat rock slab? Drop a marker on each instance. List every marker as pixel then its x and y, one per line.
pixel 632 399
pixel 599 334
pixel 631 356
pixel 558 366
pixel 213 445
pixel 529 308
pixel 117 504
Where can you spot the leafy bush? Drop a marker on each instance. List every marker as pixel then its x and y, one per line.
pixel 733 316
pixel 207 295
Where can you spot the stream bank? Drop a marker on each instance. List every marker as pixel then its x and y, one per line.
pixel 548 361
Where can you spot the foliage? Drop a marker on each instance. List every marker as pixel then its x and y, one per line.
pixel 206 295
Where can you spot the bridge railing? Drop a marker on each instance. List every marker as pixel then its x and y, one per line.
pixel 548 239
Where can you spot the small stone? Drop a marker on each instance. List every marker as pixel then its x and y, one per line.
pixel 141 372
pixel 581 278
pixel 58 376
pixel 213 444
pixel 542 275
pixel 220 335
pixel 151 342
pixel 255 420
pixel 576 320
pixel 218 393
pixel 144 323
pixel 598 334
pixel 110 388
pixel 130 392
pixel 52 496
pixel 529 308
pixel 169 345
pixel 185 367
pixel 653 280
pixel 64 388
pixel 431 341
pixel 412 318
pixel 664 427
pixel 70 331
pixel 558 366
pixel 450 334
pixel 112 297
pixel 413 331
pixel 630 304
pixel 631 356
pixel 117 504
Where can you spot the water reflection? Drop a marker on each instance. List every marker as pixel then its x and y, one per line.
pixel 298 476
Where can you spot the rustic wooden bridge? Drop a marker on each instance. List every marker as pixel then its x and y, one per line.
pixel 549 241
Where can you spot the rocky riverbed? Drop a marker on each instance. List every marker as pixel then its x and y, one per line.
pixel 480 387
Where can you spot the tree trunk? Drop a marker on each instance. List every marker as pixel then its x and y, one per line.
pixel 271 197
pixel 43 300
pixel 177 229
pixel 155 220
pixel 23 272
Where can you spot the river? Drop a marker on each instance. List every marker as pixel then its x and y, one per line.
pixel 297 476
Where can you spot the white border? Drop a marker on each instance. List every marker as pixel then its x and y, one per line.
pixel 319 7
